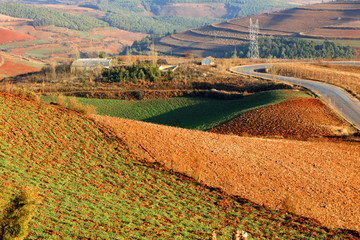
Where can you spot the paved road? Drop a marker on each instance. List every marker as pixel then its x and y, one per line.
pixel 337 98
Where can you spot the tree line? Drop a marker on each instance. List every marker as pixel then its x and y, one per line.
pixel 153 24
pixel 288 48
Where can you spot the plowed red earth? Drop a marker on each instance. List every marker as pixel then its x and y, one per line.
pixel 9 68
pixel 300 119
pixel 9 35
pixel 314 179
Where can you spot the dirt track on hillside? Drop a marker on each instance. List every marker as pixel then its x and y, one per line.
pixel 313 179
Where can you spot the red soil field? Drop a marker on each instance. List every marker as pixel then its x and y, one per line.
pixel 7 35
pixel 10 68
pixel 300 119
pixel 313 179
pixel 75 10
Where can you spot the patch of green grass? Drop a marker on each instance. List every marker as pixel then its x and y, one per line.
pixel 23 44
pixel 88 35
pixel 191 113
pixel 43 52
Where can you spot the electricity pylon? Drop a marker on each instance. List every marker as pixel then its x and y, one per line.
pixel 254 43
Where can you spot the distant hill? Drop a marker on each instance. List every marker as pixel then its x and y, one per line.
pixel 44 16
pixel 155 16
pixel 336 20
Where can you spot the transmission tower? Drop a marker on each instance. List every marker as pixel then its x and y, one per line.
pixel 254 43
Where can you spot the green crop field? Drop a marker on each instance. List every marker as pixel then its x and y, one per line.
pixel 43 52
pixel 191 113
pixel 92 187
pixel 88 35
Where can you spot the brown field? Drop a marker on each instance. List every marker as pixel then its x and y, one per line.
pixel 333 33
pixel 299 119
pixel 312 179
pixel 122 36
pixel 347 77
pixel 300 2
pixel 76 10
pixel 8 35
pixel 5 18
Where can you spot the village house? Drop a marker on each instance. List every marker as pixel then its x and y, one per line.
pixel 208 61
pixel 87 64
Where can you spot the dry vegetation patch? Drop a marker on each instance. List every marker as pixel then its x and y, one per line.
pixel 313 179
pixel 347 77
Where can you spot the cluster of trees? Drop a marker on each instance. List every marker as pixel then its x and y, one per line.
pixel 44 16
pixel 128 15
pixel 293 49
pixel 139 47
pixel 142 70
pixel 153 24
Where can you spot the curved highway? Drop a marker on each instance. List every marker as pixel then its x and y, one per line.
pixel 337 98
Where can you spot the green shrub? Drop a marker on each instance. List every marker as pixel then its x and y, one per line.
pixel 17 215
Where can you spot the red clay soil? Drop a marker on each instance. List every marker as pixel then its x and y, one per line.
pixel 299 119
pixel 7 35
pixel 314 179
pixel 10 68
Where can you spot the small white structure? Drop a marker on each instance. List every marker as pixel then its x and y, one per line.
pixel 208 61
pixel 86 64
pixel 165 68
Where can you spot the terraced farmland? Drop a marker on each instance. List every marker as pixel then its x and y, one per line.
pixel 319 21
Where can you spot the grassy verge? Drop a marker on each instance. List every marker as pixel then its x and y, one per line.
pixel 191 113
pixel 347 77
pixel 90 186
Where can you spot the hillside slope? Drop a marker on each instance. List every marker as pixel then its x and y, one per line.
pixel 313 179
pixel 92 187
pixel 318 21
